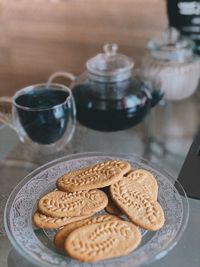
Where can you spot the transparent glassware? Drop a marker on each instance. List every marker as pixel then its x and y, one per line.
pixel 109 95
pixel 36 245
pixel 12 172
pixel 171 66
pixel 43 115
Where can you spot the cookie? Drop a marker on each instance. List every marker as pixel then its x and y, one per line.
pixel 146 180
pixel 63 204
pixel 112 208
pixel 47 222
pixel 63 233
pixel 95 176
pixel 102 241
pixel 138 206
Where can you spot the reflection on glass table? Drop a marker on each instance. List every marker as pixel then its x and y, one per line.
pixel 172 126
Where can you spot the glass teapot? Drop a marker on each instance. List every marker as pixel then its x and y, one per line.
pixel 108 96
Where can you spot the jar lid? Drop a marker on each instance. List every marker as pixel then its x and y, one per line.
pixel 172 47
pixel 110 65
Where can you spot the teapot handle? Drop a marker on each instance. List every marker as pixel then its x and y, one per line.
pixel 5 112
pixel 67 75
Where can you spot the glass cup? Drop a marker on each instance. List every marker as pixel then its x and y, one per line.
pixel 43 115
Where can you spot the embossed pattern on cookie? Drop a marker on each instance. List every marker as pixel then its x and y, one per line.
pixel 102 241
pixel 95 176
pixel 63 233
pixel 146 180
pixel 81 203
pixel 47 222
pixel 139 207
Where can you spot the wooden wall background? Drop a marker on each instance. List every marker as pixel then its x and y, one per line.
pixel 39 37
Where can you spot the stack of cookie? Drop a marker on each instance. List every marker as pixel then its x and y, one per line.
pixel 112 185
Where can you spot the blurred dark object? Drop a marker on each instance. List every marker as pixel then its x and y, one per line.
pixel 185 16
pixel 189 174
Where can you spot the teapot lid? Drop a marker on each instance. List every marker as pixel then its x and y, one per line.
pixel 172 47
pixel 110 65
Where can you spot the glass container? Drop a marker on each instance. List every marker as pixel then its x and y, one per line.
pixel 171 65
pixel 109 96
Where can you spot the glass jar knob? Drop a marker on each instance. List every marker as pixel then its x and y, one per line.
pixel 171 36
pixel 110 49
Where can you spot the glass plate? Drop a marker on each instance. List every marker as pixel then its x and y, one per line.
pixel 12 172
pixel 36 244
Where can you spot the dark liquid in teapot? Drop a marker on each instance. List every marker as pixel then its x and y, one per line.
pixel 46 121
pixel 111 120
pixel 108 114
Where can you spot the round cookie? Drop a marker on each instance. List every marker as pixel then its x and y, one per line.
pixel 96 176
pixel 63 233
pixel 139 207
pixel 146 180
pixel 81 203
pixel 101 241
pixel 47 222
pixel 112 208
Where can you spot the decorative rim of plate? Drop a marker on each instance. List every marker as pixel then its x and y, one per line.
pixel 142 163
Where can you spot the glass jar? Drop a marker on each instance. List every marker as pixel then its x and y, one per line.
pixel 109 96
pixel 171 65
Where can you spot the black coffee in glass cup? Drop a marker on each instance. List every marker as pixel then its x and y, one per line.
pixel 43 114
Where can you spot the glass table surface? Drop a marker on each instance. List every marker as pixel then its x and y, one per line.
pixel 16 162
